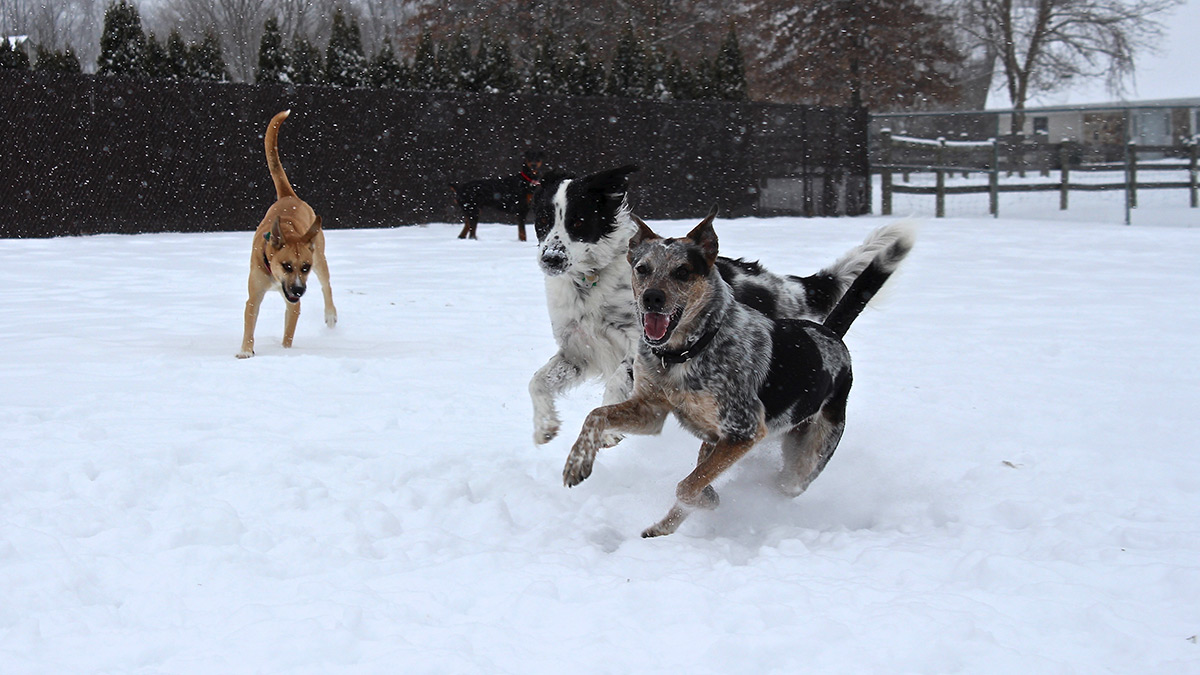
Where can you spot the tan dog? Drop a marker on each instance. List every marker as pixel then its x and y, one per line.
pixel 287 245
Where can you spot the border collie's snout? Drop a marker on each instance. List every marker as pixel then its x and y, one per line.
pixel 554 261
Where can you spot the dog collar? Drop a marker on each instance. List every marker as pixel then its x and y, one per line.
pixel 591 279
pixel 266 262
pixel 684 355
pixel 532 181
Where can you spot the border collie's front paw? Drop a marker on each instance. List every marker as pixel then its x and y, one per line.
pixel 545 431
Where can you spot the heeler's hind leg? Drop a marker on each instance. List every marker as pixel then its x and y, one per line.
pixel 807 449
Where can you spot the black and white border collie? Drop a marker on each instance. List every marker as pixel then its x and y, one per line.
pixel 583 228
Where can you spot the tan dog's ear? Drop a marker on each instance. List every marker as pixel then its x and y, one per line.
pixel 706 237
pixel 312 232
pixel 276 235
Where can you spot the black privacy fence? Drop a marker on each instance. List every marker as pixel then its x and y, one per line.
pixel 82 154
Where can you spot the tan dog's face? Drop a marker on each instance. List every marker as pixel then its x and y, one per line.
pixel 291 259
pixel 671 279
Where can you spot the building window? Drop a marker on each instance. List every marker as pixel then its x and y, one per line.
pixel 1041 125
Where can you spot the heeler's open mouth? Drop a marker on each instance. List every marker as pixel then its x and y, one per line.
pixel 657 327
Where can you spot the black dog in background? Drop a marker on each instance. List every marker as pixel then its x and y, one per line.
pixel 510 193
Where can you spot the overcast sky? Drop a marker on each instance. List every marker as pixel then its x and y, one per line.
pixel 1172 73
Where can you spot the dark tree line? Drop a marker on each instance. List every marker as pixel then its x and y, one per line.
pixel 485 64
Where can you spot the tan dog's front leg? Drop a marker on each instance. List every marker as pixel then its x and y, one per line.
pixel 257 291
pixel 637 415
pixel 289 323
pixel 321 267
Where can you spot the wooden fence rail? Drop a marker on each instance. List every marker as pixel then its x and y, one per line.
pixel 942 165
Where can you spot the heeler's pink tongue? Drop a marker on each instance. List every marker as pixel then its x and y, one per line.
pixel 655 325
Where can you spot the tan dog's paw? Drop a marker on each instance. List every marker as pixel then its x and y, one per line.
pixel 244 354
pixel 331 318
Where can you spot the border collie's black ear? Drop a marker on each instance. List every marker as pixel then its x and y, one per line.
pixel 613 183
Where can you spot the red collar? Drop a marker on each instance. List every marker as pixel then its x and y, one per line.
pixel 532 181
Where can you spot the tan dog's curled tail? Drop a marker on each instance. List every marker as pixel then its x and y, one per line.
pixel 282 187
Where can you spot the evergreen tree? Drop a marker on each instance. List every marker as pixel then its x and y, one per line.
pixel 679 80
pixel 179 64
pixel 425 66
pixel 496 72
pixel 122 42
pixel 157 63
pixel 456 67
pixel 584 75
pixel 547 72
pixel 12 55
pixel 729 71
pixel 273 62
pixel 627 76
pixel 658 85
pixel 345 64
pixel 704 80
pixel 307 65
pixel 51 61
pixel 208 60
pixel 386 71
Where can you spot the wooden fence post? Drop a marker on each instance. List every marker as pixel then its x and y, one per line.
pixel 885 176
pixel 1131 172
pixel 1064 188
pixel 994 180
pixel 1195 143
pixel 940 172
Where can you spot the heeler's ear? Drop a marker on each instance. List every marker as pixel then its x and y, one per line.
pixel 706 237
pixel 643 234
pixel 313 230
pixel 276 235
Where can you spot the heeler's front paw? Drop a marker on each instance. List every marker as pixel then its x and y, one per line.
pixel 578 466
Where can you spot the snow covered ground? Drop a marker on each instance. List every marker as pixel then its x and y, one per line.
pixel 1017 490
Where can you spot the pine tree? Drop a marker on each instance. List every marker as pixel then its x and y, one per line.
pixel 307 65
pixel 179 63
pixel 456 67
pixel 51 61
pixel 729 71
pixel 155 56
pixel 345 64
pixel 208 59
pixel 273 61
pixel 122 42
pixel 13 55
pixel 386 71
pixel 584 75
pixel 679 80
pixel 547 72
pixel 424 65
pixel 658 85
pixel 704 80
pixel 627 76
pixel 496 72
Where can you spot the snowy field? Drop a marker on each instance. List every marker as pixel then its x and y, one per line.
pixel 1018 489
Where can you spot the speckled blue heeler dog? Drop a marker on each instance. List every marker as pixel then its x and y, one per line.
pixel 731 374
pixel 583 228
